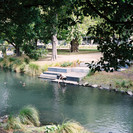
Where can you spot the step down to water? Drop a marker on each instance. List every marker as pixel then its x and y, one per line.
pixel 75 74
pixel 51 73
pixel 80 69
pixel 47 76
pixel 59 69
pixel 66 82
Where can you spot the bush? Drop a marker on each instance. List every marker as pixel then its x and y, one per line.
pixel 31 52
pixel 5 66
pixel 12 59
pixel 26 60
pixel 17 62
pixel 1 59
pixel 29 115
pixel 66 64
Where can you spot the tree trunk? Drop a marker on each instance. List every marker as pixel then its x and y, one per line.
pixel 4 51
pixel 74 45
pixel 54 49
pixel 18 51
pixel 36 43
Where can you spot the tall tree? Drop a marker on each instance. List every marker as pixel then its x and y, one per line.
pixel 17 23
pixel 114 33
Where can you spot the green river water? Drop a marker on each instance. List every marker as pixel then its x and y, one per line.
pixel 100 111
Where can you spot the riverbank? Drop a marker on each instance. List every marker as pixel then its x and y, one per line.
pixel 27 121
pixel 121 81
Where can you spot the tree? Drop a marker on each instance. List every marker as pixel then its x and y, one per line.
pixel 54 13
pixel 74 33
pixel 114 33
pixel 16 23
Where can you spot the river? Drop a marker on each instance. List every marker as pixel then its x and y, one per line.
pixel 100 111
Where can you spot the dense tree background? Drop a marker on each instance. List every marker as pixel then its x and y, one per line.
pixel 22 23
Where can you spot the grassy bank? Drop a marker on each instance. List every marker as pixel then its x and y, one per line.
pixel 20 64
pixel 27 66
pixel 27 121
pixel 122 81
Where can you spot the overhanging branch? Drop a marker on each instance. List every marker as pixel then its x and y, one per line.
pixel 105 17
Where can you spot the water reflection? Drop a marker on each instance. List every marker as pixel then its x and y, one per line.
pixel 98 110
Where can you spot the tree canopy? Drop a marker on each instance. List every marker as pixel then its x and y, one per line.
pixel 21 22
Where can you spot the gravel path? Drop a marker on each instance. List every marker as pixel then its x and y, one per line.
pixel 62 58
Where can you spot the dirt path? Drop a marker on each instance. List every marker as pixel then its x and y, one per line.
pixel 62 58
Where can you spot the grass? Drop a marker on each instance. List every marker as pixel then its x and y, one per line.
pixel 28 122
pixel 70 127
pixel 81 51
pixel 29 115
pixel 120 80
pixel 13 123
pixel 34 69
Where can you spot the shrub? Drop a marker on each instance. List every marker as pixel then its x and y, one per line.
pixel 5 66
pixel 26 60
pixel 29 115
pixel 66 64
pixel 57 64
pixel 17 62
pixel 1 59
pixel 12 59
pixel 31 52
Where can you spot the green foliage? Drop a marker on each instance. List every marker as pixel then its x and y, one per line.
pixel 13 123
pixel 29 115
pixel 5 66
pixel 45 67
pixel 12 59
pixel 17 62
pixel 10 67
pixel 33 53
pixel 91 72
pixel 26 60
pixel 1 59
pixel 70 127
pixel 66 64
pixel 33 66
pixel 22 68
pixel 50 128
pixel 124 84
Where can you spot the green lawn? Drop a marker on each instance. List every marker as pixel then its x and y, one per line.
pixel 81 51
pixel 120 80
